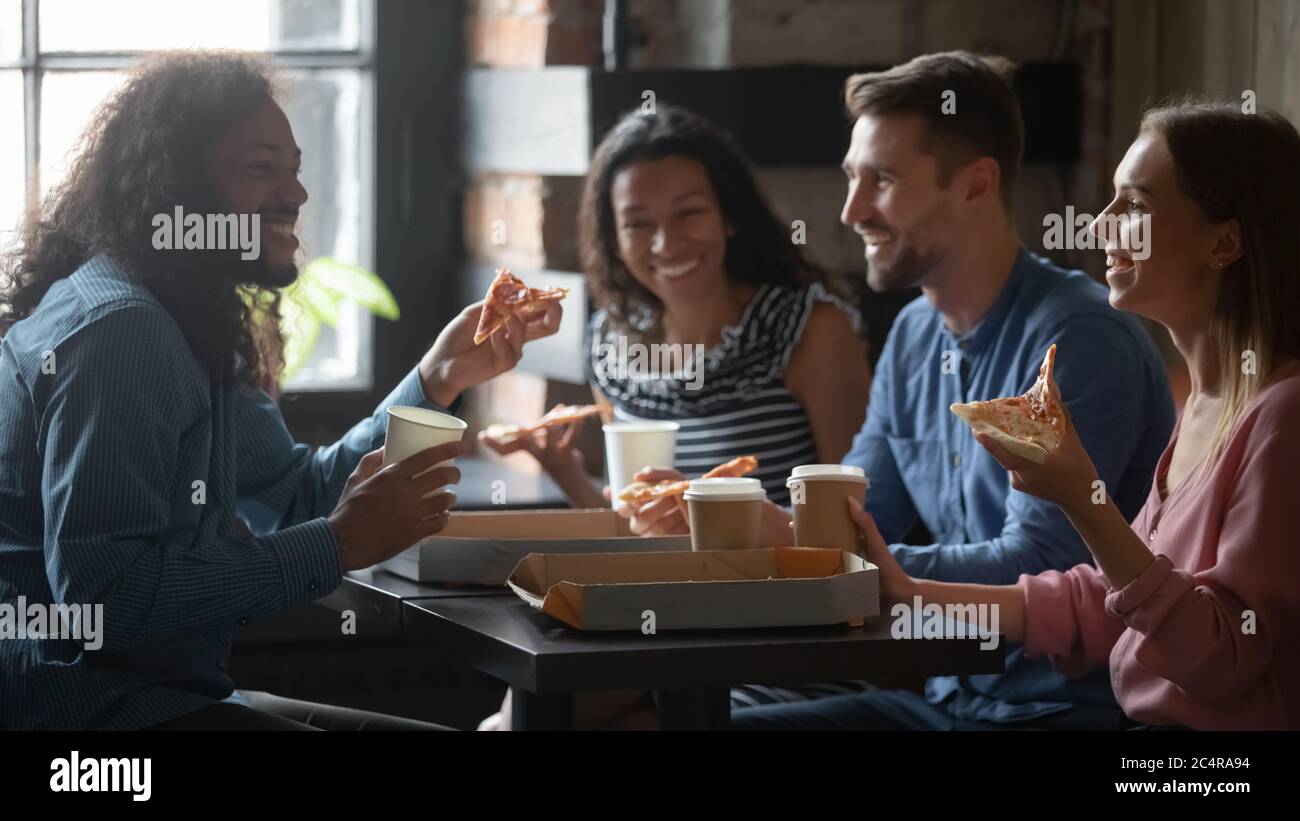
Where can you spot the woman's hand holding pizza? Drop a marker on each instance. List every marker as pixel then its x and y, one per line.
pixel 1033 438
pixel 1067 476
pixel 664 516
pixel 552 447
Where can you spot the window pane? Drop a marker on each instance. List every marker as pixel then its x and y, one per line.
pixel 140 25
pixel 326 110
pixel 12 164
pixel 68 99
pixel 11 29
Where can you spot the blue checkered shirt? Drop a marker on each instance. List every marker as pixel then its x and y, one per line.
pixel 124 474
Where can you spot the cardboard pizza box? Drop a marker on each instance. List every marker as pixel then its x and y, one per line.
pixel 483 547
pixel 774 587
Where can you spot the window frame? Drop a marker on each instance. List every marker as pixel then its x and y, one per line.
pixel 419 249
pixel 411 56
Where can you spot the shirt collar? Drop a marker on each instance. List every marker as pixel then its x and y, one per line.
pixel 978 338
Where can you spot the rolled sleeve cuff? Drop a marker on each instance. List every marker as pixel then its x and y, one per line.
pixel 1121 603
pixel 310 564
pixel 410 393
pixel 1048 617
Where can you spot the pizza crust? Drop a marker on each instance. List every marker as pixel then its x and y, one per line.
pixel 508 295
pixel 505 434
pixel 1029 450
pixel 1029 425
pixel 643 492
pixel 556 416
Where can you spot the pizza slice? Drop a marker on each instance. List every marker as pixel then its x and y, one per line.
pixel 558 415
pixel 509 295
pixel 643 492
pixel 1028 425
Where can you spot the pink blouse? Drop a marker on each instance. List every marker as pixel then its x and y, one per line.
pixel 1208 636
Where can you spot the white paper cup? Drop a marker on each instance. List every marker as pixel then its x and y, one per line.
pixel 411 430
pixel 631 446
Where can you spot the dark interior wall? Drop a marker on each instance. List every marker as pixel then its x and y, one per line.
pixel 419 60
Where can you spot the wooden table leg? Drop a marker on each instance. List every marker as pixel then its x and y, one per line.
pixel 700 709
pixel 530 711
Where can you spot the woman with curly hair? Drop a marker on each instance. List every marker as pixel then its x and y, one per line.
pixel 682 249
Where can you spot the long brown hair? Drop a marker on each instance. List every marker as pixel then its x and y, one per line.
pixel 759 251
pixel 143 154
pixel 1245 167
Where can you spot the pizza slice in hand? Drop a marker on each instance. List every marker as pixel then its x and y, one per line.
pixel 508 295
pixel 1030 425
pixel 642 493
pixel 558 415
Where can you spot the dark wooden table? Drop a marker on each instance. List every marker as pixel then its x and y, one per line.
pixel 691 672
pixel 376 597
pixel 546 662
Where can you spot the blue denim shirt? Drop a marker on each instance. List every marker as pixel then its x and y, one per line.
pixel 107 424
pixel 924 464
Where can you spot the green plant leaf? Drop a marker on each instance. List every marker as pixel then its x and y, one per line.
pixel 315 298
pixel 301 329
pixel 352 283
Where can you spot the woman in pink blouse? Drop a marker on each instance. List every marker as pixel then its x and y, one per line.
pixel 1196 606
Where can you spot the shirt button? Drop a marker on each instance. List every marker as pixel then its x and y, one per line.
pixel 221 665
pixel 1152 535
pixel 956 461
pixel 242 622
pixel 311 586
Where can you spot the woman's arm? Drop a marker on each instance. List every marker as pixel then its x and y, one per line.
pixel 828 374
pixel 1120 553
pixel 1069 478
pixel 1009 599
pixel 897 586
pixel 554 451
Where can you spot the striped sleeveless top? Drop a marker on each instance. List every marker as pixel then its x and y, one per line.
pixel 736 403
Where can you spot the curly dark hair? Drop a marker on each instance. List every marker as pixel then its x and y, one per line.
pixel 143 153
pixel 759 251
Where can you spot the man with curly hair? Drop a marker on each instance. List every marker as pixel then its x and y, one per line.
pixel 146 483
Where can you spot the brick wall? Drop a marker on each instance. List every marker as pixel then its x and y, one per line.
pixel 533 33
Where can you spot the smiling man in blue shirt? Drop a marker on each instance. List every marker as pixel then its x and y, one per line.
pixel 930 195
pixel 136 451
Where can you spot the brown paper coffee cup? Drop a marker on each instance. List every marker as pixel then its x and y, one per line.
pixel 725 514
pixel 818 495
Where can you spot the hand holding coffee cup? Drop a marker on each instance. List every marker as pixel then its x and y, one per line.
pixel 384 511
pixel 895 584
pixel 817 494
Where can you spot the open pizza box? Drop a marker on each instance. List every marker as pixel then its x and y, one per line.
pixel 774 587
pixel 483 547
